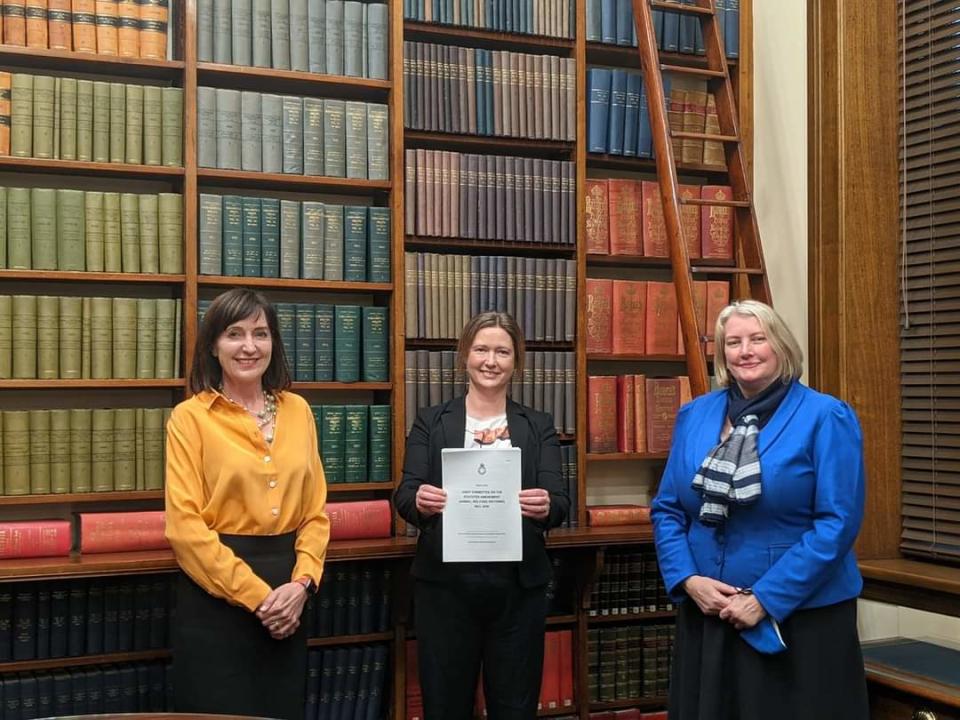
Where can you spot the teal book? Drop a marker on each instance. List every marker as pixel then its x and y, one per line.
pixel 355 443
pixel 303 358
pixel 355 243
pixel 232 235
pixel 313 224
pixel 334 136
pixel 378 460
pixel 251 237
pixel 355 118
pixel 346 343
pixel 287 321
pixel 378 244
pixel 290 239
pixel 323 342
pixel 333 242
pixel 210 233
pixel 331 442
pixel 269 238
pixel 375 343
pixel 378 142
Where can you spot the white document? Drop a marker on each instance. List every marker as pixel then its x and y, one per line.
pixel 481 520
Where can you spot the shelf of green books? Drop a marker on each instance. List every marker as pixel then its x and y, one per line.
pixel 280 181
pixel 621 456
pixel 636 358
pixel 649 166
pixel 631 617
pixel 38 59
pixel 488 39
pixel 451 344
pixel 294 284
pixel 241 77
pixel 88 384
pixel 642 703
pixel 74 498
pixel 101 170
pixel 342 386
pixel 83 660
pixel 629 57
pixel 553 149
pixel 500 247
pixel 90 277
pixel 359 487
pixel 350 639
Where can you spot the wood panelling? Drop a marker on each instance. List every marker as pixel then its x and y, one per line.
pixel 853 225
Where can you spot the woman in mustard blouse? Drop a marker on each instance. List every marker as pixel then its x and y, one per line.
pixel 245 496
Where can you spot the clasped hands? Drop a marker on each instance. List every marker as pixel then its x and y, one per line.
pixel 280 611
pixel 534 502
pixel 742 610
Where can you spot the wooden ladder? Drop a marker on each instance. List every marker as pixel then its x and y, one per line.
pixel 749 275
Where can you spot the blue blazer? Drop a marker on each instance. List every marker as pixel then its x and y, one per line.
pixel 793 546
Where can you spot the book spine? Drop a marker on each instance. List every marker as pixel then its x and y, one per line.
pixel 121 531
pixel 107 23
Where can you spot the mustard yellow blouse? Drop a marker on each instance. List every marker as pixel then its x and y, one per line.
pixel 222 477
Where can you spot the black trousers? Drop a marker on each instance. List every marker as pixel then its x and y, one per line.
pixel 224 660
pixel 717 676
pixel 483 619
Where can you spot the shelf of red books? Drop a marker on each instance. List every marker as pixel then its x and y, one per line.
pixel 97 169
pixel 350 639
pixel 76 498
pixel 35 59
pixel 281 181
pixel 461 245
pixel 487 39
pixel 622 456
pixel 292 82
pixel 86 384
pixel 90 277
pixel 83 660
pixel 553 149
pixel 631 617
pixel 293 284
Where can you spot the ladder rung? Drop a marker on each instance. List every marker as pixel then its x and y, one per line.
pixel 695 71
pixel 709 137
pixel 720 270
pixel 715 203
pixel 682 9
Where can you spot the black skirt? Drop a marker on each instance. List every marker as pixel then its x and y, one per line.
pixel 717 676
pixel 224 660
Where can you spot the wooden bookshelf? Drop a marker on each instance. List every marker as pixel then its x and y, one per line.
pixel 101 170
pixel 453 245
pixel 553 149
pixel 620 457
pixel 69 276
pixel 292 82
pixel 337 286
pixel 83 661
pixel 89 384
pixel 601 161
pixel 631 617
pixel 350 639
pixel 642 703
pixel 489 39
pixel 214 177
pixel 114 496
pixel 23 58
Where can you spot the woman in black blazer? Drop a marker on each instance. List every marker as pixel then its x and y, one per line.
pixel 489 614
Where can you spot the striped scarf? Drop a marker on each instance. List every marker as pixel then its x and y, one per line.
pixel 730 473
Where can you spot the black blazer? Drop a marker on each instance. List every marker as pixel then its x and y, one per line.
pixel 443 426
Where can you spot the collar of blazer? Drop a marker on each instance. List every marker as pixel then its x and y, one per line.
pixel 453 420
pixel 714 415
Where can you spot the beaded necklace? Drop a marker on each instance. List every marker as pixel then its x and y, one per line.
pixel 264 418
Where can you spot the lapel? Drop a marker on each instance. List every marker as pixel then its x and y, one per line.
pixel 781 418
pixel 453 420
pixel 518 424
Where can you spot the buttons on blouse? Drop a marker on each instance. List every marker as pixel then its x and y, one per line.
pixel 266 458
pixel 273 483
pixel 275 511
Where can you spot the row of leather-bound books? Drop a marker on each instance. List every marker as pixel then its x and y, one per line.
pixel 633 413
pixel 629 584
pixel 70 118
pixel 332 37
pixel 122 28
pixel 550 18
pixel 93 231
pixel 626 662
pixel 489 92
pixel 100 338
pixel 354 442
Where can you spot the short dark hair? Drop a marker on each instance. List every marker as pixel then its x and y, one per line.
pixel 484 320
pixel 226 309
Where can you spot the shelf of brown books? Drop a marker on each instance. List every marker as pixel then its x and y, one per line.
pixel 335 640
pixel 87 384
pixel 75 498
pixel 83 660
pixel 489 39
pixel 555 149
pixel 632 617
pixel 90 277
pixel 643 703
pixel 294 284
pixel 42 59
pixel 448 245
pixel 342 386
pixel 619 457
pixel 649 165
pixel 101 170
pixel 291 81
pixel 280 181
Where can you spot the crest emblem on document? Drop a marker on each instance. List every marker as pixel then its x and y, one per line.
pixel 482 469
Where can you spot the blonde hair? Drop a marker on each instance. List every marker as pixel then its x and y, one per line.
pixel 782 342
pixel 484 320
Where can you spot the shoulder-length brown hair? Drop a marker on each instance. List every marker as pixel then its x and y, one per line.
pixel 226 309
pixel 484 320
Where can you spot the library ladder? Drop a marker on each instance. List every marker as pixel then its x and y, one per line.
pixel 750 280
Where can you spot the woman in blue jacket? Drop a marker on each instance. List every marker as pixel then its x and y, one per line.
pixel 754 521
